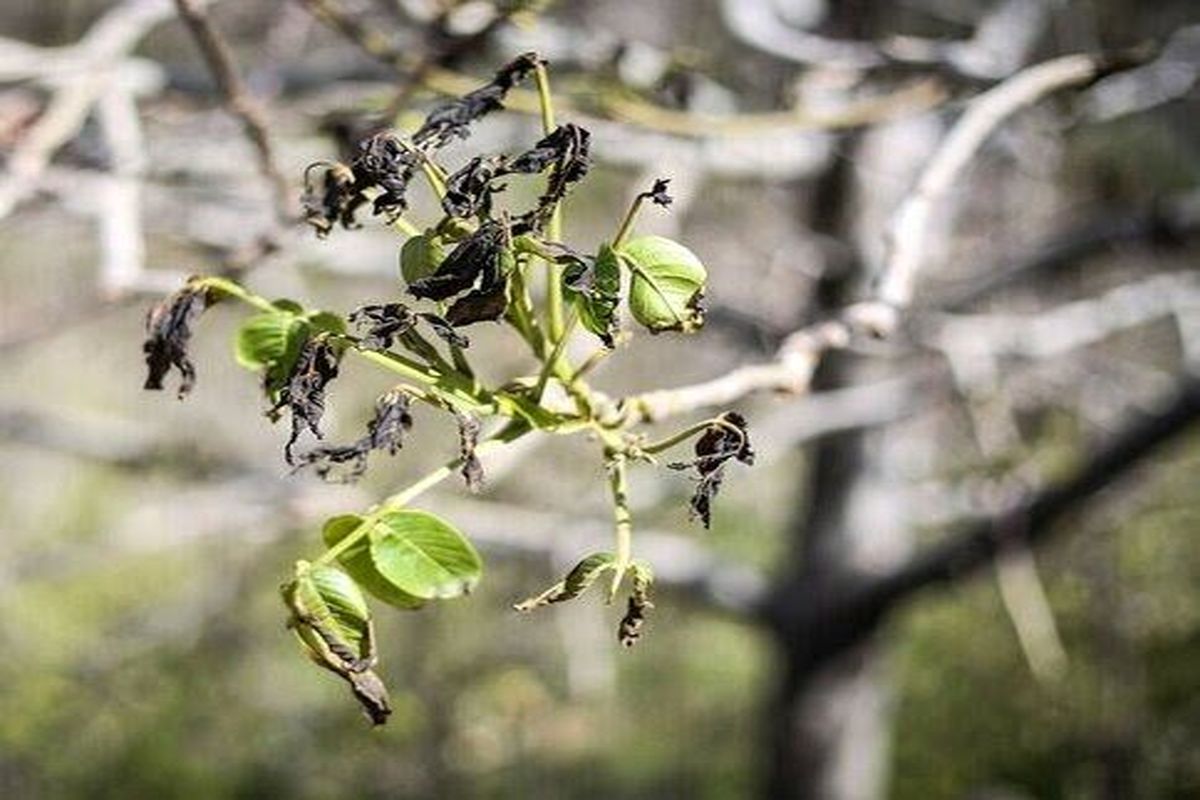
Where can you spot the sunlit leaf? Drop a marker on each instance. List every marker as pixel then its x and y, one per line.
pixel 667 288
pixel 423 555
pixel 356 560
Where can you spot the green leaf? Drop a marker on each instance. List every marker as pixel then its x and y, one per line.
pixel 264 339
pixel 356 560
pixel 421 256
pixel 329 599
pixel 326 322
pixel 423 555
pixel 577 581
pixel 668 284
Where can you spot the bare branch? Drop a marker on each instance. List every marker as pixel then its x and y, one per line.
pixel 240 103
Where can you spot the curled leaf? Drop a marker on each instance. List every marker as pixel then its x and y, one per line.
pixel 329 616
pixel 667 289
pixel 304 393
pixel 594 285
pixel 630 628
pixel 356 560
pixel 168 332
pixel 452 120
pixel 727 438
pixel 385 163
pixel 385 432
pixel 658 193
pixel 381 324
pixel 444 330
pixel 576 582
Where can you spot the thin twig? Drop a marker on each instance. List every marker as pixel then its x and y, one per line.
pixel 240 103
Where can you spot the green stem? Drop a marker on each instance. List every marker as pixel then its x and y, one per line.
pixel 554 304
pixel 552 364
pixel 619 484
pixel 627 223
pixel 405 227
pixel 237 291
pixel 682 436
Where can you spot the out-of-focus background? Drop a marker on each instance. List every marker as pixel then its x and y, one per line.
pixel 142 539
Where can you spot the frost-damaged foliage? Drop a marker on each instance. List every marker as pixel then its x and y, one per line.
pixel 168 332
pixel 304 393
pixel 483 258
pixel 452 120
pixel 385 432
pixel 726 438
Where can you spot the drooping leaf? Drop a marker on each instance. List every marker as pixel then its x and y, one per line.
pixel 452 120
pixel 385 432
pixel 667 288
pixel 728 437
pixel 335 199
pixel 576 582
pixel 168 333
pixel 424 555
pixel 356 560
pixel 304 391
pixel 474 256
pixel 468 438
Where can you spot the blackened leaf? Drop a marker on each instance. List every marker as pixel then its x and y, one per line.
pixel 630 629
pixel 658 193
pixel 385 432
pixel 333 199
pixel 480 305
pixel 421 256
pixel 444 330
pixel 168 332
pixel 469 191
pixel 356 560
pixel 384 162
pixel 468 437
pixel 382 324
pixel 474 256
pixel 667 289
pixel 594 285
pixel 727 438
pixel 304 393
pixel 573 145
pixel 424 555
pixel 577 581
pixel 452 120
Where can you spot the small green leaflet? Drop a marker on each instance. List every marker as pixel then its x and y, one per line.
pixel 668 283
pixel 577 581
pixel 421 256
pixel 271 341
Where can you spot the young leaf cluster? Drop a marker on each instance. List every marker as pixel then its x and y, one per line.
pixel 481 262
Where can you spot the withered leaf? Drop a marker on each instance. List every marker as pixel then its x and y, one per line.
pixel 442 327
pixel 453 119
pixel 381 324
pixel 468 437
pixel 168 332
pixel 385 162
pixel 304 393
pixel 474 256
pixel 630 629
pixel 658 193
pixel 334 200
pixel 727 438
pixel 385 433
pixel 469 190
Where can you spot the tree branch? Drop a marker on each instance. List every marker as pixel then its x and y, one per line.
pixel 238 100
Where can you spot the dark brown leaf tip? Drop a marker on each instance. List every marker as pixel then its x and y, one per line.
pixel 331 199
pixel 725 439
pixel 658 193
pixel 630 629
pixel 168 333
